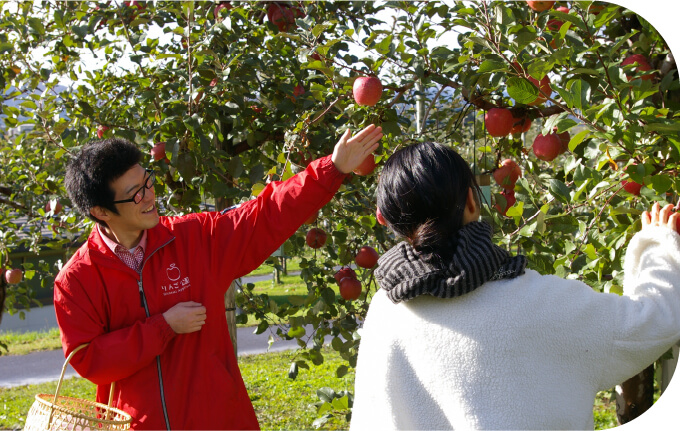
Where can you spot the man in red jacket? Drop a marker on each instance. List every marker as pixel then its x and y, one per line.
pixel 147 292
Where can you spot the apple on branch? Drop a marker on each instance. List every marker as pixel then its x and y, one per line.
pixel 631 186
pixel 544 89
pixel 316 237
pixel 350 288
pixel 101 130
pixel 510 200
pixel 226 5
pixel 540 6
pixel 642 65
pixel 283 15
pixel 344 272
pixel 507 174
pixel 547 147
pixel 520 125
pixel 366 167
pixel 14 276
pixel 53 203
pixel 498 121
pixel 367 90
pixel 379 217
pixel 367 257
pixel 311 219
pixel 158 152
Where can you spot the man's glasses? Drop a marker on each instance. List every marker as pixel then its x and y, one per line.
pixel 139 195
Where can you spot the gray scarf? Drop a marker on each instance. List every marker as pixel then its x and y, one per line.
pixel 404 275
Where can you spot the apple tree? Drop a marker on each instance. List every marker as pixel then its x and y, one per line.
pixel 583 97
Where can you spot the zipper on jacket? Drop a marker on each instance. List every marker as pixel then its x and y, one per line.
pixel 142 297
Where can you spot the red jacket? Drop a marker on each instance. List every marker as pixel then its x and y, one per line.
pixel 165 380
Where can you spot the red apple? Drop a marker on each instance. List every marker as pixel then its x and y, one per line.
pixel 564 139
pixel 222 5
pixel 547 147
pixel 555 24
pixel 299 90
pixel 507 174
pixel 642 65
pixel 100 130
pixel 543 87
pixel 316 238
pixel 283 15
pixel 312 218
pixel 13 276
pixel 520 125
pixel 632 187
pixel 158 151
pixel 366 167
pixel 350 288
pixel 53 204
pixel 379 217
pixel 367 257
pixel 595 9
pixel 256 109
pixel 510 200
pixel 367 90
pixel 498 121
pixel 540 6
pixel 344 272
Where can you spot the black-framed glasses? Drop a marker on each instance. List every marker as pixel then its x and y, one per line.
pixel 139 195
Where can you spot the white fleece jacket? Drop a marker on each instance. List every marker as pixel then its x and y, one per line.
pixel 525 353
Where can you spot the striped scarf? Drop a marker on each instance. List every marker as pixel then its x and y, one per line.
pixel 476 260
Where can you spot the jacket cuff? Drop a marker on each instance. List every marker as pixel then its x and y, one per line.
pixel 325 167
pixel 164 330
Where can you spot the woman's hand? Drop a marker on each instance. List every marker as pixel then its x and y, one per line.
pixel 661 217
pixel 350 150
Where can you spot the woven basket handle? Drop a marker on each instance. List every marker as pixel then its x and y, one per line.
pixel 61 379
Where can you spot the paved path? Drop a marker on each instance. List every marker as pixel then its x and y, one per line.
pixel 40 367
pixel 46 366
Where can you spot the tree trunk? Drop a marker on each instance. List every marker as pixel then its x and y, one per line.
pixel 230 310
pixel 635 396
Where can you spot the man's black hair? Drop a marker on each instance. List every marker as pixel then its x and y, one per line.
pixel 90 173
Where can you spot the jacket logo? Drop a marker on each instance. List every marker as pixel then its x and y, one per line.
pixel 173 272
pixel 175 285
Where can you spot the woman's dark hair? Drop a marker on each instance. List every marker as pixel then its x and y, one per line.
pixel 422 193
pixel 90 173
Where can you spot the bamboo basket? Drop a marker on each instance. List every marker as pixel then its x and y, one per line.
pixel 60 413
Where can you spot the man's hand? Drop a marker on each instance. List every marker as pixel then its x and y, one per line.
pixel 350 150
pixel 661 217
pixel 186 317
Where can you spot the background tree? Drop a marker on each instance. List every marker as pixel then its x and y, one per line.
pixel 234 95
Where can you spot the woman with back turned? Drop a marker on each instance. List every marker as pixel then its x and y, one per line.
pixel 461 335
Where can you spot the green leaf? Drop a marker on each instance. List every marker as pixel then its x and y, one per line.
pixel 491 66
pixel 341 371
pixel 521 90
pixel 580 92
pixel 341 403
pixel 296 332
pixel 661 183
pixel 257 188
pixel 538 69
pixel 577 139
pixel 261 327
pixel 667 126
pixel 325 394
pixel 559 190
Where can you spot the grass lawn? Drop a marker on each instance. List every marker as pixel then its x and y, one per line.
pixel 280 403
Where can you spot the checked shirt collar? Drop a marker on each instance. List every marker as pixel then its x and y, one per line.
pixel 133 257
